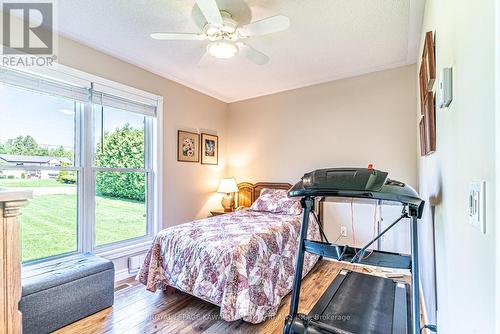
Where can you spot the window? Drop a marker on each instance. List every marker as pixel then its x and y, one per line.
pixel 87 152
pixel 121 185
pixel 37 152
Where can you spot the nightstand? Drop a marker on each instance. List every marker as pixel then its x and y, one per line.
pixel 219 212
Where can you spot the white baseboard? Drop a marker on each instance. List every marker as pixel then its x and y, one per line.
pixel 122 274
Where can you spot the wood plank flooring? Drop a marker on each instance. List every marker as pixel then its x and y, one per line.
pixel 139 311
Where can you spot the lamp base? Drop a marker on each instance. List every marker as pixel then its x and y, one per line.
pixel 227 202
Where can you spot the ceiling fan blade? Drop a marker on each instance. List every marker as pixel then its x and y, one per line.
pixel 211 12
pixel 266 26
pixel 177 36
pixel 253 55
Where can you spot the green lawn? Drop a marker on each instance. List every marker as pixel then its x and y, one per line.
pixel 48 223
pixel 32 183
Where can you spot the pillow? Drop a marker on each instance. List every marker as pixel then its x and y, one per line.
pixel 276 201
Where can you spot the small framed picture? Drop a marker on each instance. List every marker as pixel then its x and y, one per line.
pixel 188 146
pixel 209 149
pixel 429 60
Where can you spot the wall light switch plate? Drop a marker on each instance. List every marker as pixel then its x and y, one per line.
pixel 343 231
pixel 477 205
pixel 445 87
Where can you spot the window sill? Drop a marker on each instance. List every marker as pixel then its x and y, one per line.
pixel 124 251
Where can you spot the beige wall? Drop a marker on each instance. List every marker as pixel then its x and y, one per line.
pixel 465 258
pixel 188 187
pixel 350 122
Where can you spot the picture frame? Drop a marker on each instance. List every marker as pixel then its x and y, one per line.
pixel 429 61
pixel 430 123
pixel 188 146
pixel 209 149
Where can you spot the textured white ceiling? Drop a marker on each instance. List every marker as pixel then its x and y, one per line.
pixel 327 40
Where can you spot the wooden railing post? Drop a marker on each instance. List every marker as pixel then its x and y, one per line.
pixel 10 260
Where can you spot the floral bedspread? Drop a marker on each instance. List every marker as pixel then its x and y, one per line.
pixel 243 261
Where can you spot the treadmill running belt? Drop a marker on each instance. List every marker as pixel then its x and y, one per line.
pixel 359 304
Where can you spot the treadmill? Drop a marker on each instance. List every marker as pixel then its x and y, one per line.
pixel 357 303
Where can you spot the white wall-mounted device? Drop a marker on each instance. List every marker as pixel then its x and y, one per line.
pixel 477 206
pixel 135 262
pixel 445 87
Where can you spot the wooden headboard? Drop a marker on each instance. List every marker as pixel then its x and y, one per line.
pixel 248 192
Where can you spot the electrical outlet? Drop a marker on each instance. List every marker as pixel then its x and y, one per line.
pixel 343 231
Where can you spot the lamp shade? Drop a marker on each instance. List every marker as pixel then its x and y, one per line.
pixel 227 185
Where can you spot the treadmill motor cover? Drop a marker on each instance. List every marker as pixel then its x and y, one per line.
pixel 359 179
pixel 356 183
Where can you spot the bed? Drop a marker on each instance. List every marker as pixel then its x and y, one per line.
pixel 242 261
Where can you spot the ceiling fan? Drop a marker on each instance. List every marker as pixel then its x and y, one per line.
pixel 226 36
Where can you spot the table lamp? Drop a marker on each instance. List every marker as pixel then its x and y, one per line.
pixel 227 186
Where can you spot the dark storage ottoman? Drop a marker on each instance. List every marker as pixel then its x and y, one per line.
pixel 59 294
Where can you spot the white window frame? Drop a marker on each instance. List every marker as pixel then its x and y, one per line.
pixel 84 164
pixel 90 187
pixel 76 167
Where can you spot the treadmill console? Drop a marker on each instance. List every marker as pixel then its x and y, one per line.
pixel 353 179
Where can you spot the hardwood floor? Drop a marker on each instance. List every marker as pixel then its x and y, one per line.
pixel 139 311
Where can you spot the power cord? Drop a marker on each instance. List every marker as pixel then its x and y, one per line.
pixel 338 238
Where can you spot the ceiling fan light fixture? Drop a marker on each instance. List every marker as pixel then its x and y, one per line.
pixel 211 30
pixel 224 33
pixel 228 29
pixel 222 49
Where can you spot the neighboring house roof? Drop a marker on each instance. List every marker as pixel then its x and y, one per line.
pixel 13 158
